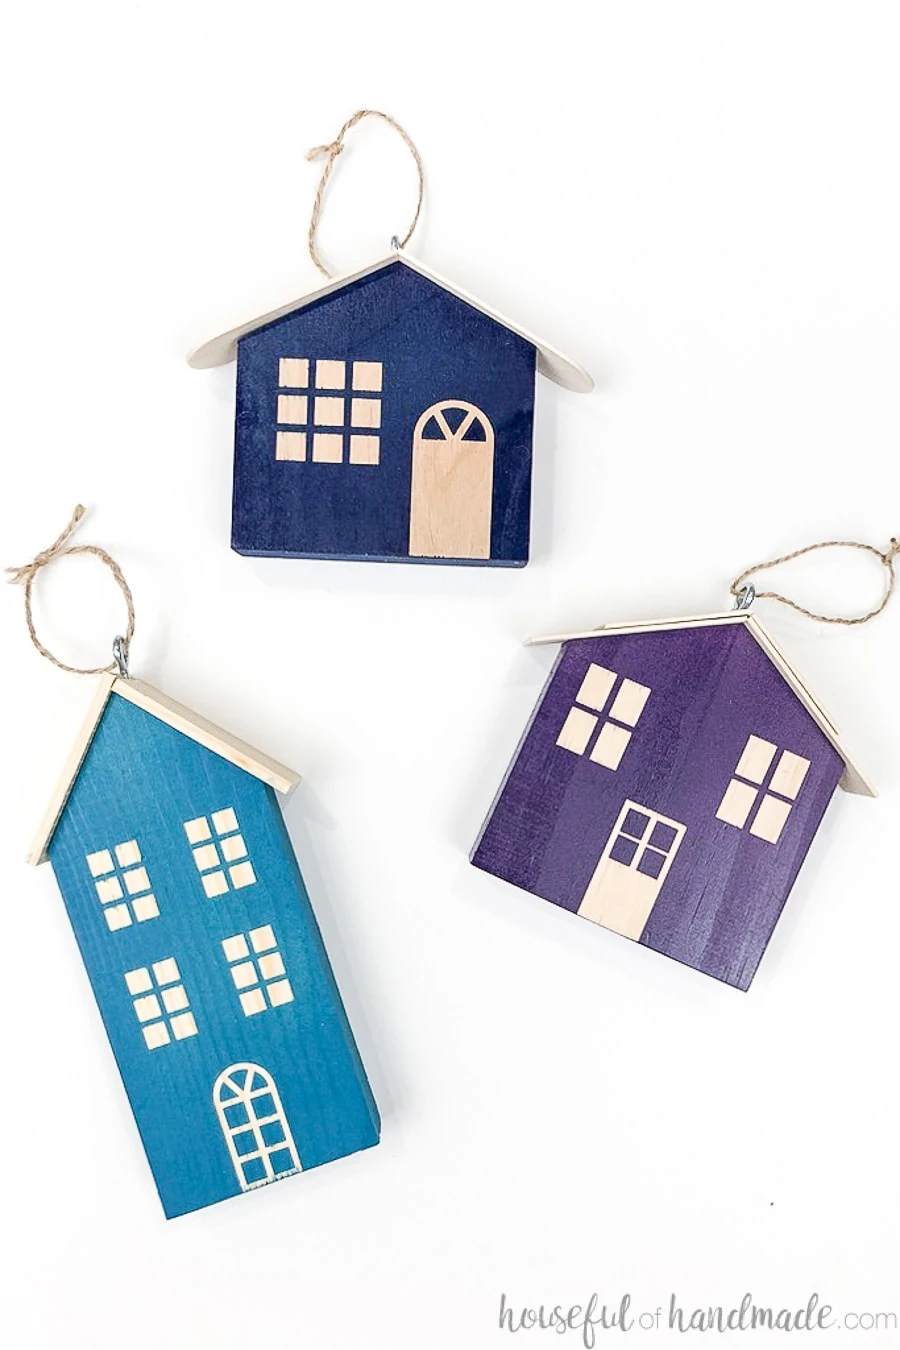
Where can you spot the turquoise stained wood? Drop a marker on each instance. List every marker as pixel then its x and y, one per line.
pixel 207 964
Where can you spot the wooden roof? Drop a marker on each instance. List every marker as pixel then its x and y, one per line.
pixel 174 715
pixel 852 779
pixel 220 350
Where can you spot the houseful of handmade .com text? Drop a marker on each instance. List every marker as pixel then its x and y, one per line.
pixel 587 1320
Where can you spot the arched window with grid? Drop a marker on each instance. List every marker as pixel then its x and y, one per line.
pixel 254 1124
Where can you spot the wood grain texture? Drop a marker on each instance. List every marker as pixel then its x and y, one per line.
pixel 394 356
pixel 176 1028
pixel 559 814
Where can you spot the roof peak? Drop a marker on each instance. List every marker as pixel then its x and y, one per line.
pixel 551 362
pixel 174 715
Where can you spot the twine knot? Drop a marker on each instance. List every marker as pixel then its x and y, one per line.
pixel 891 553
pixel 25 576
pixel 330 152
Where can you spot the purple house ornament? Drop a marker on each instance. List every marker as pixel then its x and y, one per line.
pixel 668 787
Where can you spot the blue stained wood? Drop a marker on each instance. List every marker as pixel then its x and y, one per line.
pixel 141 780
pixel 432 347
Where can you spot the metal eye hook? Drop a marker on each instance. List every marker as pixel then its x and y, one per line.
pixel 745 596
pixel 120 656
pixel 395 243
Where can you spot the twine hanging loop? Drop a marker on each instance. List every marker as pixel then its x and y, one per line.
pixel 330 153
pixel 745 592
pixel 25 576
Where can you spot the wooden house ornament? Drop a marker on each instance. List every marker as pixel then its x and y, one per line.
pixel 386 416
pixel 668 787
pixel 175 865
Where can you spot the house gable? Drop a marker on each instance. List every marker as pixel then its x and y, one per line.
pixel 323 464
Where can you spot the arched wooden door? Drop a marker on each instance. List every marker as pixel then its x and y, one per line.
pixel 255 1127
pixel 452 482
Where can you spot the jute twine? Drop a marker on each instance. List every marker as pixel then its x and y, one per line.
pixel 331 152
pixel 886 558
pixel 25 576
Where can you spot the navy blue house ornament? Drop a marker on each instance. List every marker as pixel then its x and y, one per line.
pixel 388 415
pixel 196 930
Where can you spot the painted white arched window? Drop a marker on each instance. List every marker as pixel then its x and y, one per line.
pixel 255 1127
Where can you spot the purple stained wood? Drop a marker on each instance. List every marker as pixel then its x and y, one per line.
pixel 713 890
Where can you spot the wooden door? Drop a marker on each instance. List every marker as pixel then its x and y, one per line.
pixel 452 482
pixel 632 868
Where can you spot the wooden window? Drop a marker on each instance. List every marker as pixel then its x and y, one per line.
pixel 255 1125
pixel 220 854
pixel 122 885
pixel 337 424
pixel 589 727
pixel 762 792
pixel 257 970
pixel 160 1003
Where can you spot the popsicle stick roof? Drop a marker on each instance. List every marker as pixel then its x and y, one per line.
pixel 174 715
pixel 220 350
pixel 852 780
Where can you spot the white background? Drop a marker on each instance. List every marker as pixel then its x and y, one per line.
pixel 700 203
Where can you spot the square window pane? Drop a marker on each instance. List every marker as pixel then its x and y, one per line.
pixel 128 853
pixel 623 850
pixel 117 916
pixel 244 975
pixel 365 412
pixel 206 856
pixel 264 1106
pixel 145 907
pixel 174 998
pixel 263 939
pixel 595 687
pixel 636 823
pixel 156 1035
pixel 663 836
pixel 331 374
pixel 108 890
pixel 254 1171
pixel 197 830
pixel 136 880
pixel 273 1134
pixel 756 758
pixel 271 966
pixel 253 1002
pixel 770 819
pixel 224 822
pixel 651 863
pixel 183 1026
pixel 292 410
pixel 291 445
pixel 577 730
pixel 242 875
pixel 214 883
pixel 166 972
pixel 147 1008
pixel 327 448
pixel 367 375
pixel 233 848
pixel 236 1114
pixel 789 775
pixel 235 948
pixel 100 863
pixel 138 981
pixel 610 746
pixel 365 449
pixel 329 412
pixel 245 1142
pixel 293 372
pixel 282 1161
pixel 628 703
pixel 280 993
pixel 737 803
